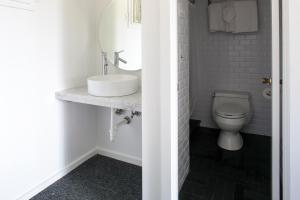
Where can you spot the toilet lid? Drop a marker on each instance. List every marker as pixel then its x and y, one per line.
pixel 231 110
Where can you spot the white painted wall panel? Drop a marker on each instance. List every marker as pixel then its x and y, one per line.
pixel 291 106
pixel 128 140
pixel 41 52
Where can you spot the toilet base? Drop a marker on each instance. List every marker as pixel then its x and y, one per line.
pixel 231 141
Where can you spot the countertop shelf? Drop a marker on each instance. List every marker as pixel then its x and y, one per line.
pixel 80 95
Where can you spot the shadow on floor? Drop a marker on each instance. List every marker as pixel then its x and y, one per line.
pixel 99 178
pixel 217 174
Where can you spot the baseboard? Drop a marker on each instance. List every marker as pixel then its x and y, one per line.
pixel 120 156
pixel 58 175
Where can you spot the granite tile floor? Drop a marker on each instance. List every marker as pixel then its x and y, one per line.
pixel 217 174
pixel 99 178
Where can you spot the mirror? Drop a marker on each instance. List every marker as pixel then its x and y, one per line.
pixel 120 30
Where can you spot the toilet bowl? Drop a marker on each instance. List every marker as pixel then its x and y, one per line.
pixel 231 112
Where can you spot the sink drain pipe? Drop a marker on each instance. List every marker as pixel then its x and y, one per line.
pixel 115 126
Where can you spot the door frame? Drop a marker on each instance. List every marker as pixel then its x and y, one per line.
pixel 159 100
pixel 287 61
pixel 160 178
pixel 276 100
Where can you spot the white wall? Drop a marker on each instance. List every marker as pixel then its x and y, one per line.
pixel 127 145
pixel 151 100
pixel 41 52
pixel 225 61
pixel 160 105
pixel 291 104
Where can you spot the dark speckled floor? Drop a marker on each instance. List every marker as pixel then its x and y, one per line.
pixel 217 174
pixel 99 178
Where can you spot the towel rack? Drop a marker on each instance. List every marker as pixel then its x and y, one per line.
pixel 192 1
pixel 211 1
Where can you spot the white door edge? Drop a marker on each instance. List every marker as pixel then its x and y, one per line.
pixel 276 111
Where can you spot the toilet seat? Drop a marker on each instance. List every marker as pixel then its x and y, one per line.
pixel 231 111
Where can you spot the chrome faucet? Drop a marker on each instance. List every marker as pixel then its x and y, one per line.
pixel 118 59
pixel 104 63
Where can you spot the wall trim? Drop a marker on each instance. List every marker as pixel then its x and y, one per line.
pixel 58 175
pixel 120 156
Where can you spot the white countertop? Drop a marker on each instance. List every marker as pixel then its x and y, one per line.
pixel 80 95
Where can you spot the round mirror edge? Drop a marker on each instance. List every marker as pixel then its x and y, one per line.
pixel 110 58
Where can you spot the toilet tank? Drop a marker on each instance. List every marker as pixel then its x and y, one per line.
pixel 242 99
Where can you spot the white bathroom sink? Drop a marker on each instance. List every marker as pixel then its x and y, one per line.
pixel 113 85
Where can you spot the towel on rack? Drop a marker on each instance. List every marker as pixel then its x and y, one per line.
pixel 229 16
pixel 216 1
pixel 246 19
pixel 216 22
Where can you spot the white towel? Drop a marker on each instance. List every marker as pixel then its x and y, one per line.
pixel 246 19
pixel 229 16
pixel 216 22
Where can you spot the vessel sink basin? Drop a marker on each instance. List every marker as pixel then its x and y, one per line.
pixel 113 85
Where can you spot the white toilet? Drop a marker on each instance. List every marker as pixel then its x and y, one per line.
pixel 231 112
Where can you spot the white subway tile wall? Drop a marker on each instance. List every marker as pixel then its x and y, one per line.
pixel 183 91
pixel 231 62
